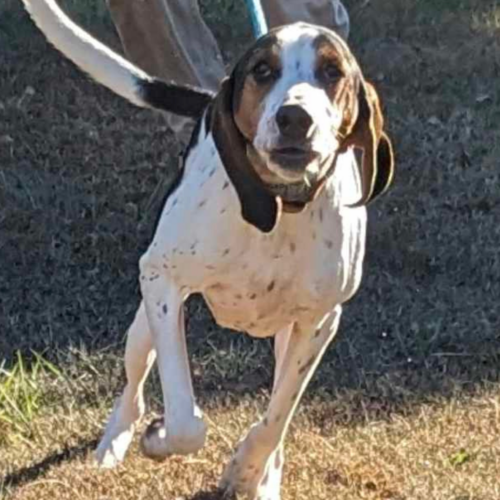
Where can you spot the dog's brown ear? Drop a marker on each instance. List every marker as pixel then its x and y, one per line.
pixel 258 206
pixel 377 166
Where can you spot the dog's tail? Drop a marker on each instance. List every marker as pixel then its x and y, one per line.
pixel 110 69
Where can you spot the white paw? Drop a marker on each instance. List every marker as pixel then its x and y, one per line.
pixel 159 442
pixel 254 475
pixel 111 450
pixel 119 433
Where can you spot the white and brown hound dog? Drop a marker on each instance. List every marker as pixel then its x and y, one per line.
pixel 267 220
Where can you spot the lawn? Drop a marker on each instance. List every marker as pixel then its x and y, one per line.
pixel 405 405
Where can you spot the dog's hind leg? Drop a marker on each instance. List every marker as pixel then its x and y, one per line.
pixel 129 408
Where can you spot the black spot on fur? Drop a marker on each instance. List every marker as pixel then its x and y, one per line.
pixel 164 309
pixel 271 286
pixel 308 365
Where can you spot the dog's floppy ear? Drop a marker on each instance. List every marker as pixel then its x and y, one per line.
pixel 377 166
pixel 258 206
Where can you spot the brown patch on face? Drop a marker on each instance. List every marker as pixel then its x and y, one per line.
pixel 259 207
pixel 255 76
pixel 339 74
pixel 362 118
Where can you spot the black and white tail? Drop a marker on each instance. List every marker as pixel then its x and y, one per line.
pixel 112 70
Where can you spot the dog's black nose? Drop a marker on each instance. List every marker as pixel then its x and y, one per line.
pixel 294 122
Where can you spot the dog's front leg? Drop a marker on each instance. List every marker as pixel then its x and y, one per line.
pixel 255 470
pixel 129 408
pixel 182 430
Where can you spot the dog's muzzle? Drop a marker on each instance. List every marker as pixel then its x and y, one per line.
pixel 296 128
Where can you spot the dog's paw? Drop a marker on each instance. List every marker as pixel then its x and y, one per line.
pixel 159 442
pixel 253 475
pixel 112 448
pixel 119 432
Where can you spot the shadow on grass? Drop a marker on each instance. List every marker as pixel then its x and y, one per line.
pixel 33 472
pixel 26 475
pixel 214 494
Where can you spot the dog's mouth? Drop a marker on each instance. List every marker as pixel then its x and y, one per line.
pixel 293 158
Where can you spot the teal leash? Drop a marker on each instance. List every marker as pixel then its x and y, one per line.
pixel 259 24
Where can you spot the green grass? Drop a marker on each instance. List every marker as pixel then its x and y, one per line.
pixel 22 390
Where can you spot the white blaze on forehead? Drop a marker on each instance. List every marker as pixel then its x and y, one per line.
pixel 298 53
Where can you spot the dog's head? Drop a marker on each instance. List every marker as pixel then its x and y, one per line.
pixel 294 101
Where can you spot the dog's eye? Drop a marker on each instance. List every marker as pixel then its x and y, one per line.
pixel 331 72
pixel 262 72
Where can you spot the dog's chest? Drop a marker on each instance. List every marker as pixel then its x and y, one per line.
pixel 253 281
pixel 269 285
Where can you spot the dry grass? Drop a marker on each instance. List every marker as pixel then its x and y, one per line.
pixel 404 407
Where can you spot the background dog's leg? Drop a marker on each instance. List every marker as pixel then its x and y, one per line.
pixel 255 470
pixel 129 408
pixel 182 431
